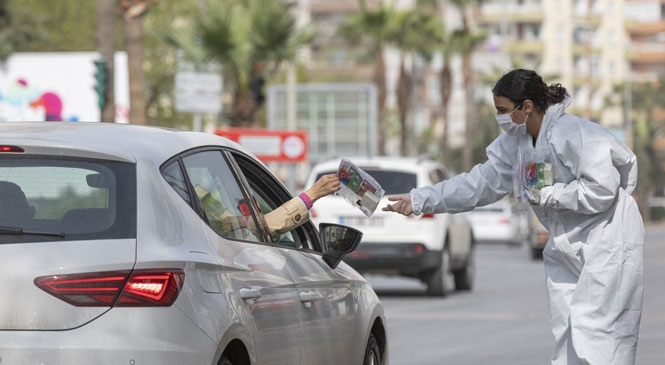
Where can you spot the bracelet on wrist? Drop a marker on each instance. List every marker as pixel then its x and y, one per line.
pixel 306 199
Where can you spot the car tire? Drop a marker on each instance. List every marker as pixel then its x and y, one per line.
pixel 372 352
pixel 465 276
pixel 536 253
pixel 225 361
pixel 437 283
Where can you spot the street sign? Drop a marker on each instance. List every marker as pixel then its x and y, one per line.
pixel 198 92
pixel 270 145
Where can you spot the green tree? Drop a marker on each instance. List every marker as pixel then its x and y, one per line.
pixel 464 41
pixel 647 102
pixel 49 26
pixel 248 39
pixel 418 35
pixel 372 28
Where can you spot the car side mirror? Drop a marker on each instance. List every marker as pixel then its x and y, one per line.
pixel 338 240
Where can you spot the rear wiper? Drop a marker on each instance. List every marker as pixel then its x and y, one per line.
pixel 19 231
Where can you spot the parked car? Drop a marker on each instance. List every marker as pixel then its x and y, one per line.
pixel 428 247
pixel 109 256
pixel 539 237
pixel 506 222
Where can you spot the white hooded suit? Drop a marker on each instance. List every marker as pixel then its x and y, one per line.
pixel 594 258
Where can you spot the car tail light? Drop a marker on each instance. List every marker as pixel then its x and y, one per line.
pixel 313 213
pixel 419 248
pixel 14 149
pixel 140 288
pixel 504 220
pixel 422 216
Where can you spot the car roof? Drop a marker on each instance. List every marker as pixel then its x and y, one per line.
pixel 107 140
pixel 381 162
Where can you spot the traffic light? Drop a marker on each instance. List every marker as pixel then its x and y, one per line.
pixel 256 87
pixel 102 79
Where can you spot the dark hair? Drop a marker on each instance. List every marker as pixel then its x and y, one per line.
pixel 520 84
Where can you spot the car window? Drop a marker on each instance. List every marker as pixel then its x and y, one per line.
pixel 393 182
pixel 225 208
pixel 173 175
pixel 269 195
pixel 79 198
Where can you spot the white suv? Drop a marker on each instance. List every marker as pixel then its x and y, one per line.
pixel 428 247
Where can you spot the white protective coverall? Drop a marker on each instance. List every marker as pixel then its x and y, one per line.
pixel 594 258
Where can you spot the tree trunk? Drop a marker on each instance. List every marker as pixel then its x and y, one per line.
pixel 243 109
pixel 134 47
pixel 467 151
pixel 403 101
pixel 106 37
pixel 446 90
pixel 380 81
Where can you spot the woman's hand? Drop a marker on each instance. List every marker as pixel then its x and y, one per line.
pixel 402 204
pixel 325 185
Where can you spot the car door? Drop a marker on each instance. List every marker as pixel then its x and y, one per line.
pixel 251 271
pixel 328 303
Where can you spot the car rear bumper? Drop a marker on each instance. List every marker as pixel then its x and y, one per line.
pixel 390 258
pixel 112 339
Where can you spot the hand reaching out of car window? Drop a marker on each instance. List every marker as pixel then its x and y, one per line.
pixel 325 185
pixel 402 204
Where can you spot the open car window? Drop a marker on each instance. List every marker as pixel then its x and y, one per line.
pixel 269 194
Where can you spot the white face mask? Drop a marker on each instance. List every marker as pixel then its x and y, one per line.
pixel 506 123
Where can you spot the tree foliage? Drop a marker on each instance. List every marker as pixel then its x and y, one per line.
pixel 49 26
pixel 247 39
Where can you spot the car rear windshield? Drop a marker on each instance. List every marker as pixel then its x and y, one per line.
pixel 53 199
pixel 393 182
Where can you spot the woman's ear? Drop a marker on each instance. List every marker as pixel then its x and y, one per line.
pixel 527 106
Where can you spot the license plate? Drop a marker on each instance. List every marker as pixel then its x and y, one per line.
pixel 362 221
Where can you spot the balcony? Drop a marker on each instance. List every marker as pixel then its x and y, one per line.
pixel 525 47
pixel 644 29
pixel 651 53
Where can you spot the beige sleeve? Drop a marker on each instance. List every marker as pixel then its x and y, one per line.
pixel 288 216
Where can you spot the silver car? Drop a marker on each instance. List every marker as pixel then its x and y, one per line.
pixel 109 255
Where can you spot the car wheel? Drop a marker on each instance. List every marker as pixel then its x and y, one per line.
pixel 465 276
pixel 372 352
pixel 225 361
pixel 437 285
pixel 536 253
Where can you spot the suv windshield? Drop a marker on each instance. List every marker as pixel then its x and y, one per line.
pixel 393 182
pixel 51 199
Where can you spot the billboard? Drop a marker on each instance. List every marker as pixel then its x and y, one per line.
pixel 58 86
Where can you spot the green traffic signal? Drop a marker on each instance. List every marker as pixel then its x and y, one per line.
pixel 101 76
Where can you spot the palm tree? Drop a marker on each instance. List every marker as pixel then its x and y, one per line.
pixel 418 35
pixel 249 40
pixel 133 16
pixel 106 38
pixel 647 100
pixel 373 27
pixel 465 41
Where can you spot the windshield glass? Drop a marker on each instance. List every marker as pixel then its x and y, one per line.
pixel 393 182
pixel 82 199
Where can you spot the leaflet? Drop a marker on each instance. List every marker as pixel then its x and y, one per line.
pixel 358 187
pixel 534 171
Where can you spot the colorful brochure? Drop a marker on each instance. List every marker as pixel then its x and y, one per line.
pixel 358 187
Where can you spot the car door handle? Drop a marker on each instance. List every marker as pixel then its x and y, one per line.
pixel 307 297
pixel 250 293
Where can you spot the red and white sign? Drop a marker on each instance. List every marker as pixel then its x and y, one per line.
pixel 270 145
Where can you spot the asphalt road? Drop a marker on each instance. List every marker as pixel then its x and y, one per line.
pixel 504 320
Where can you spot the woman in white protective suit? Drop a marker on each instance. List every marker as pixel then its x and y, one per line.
pixel 578 178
